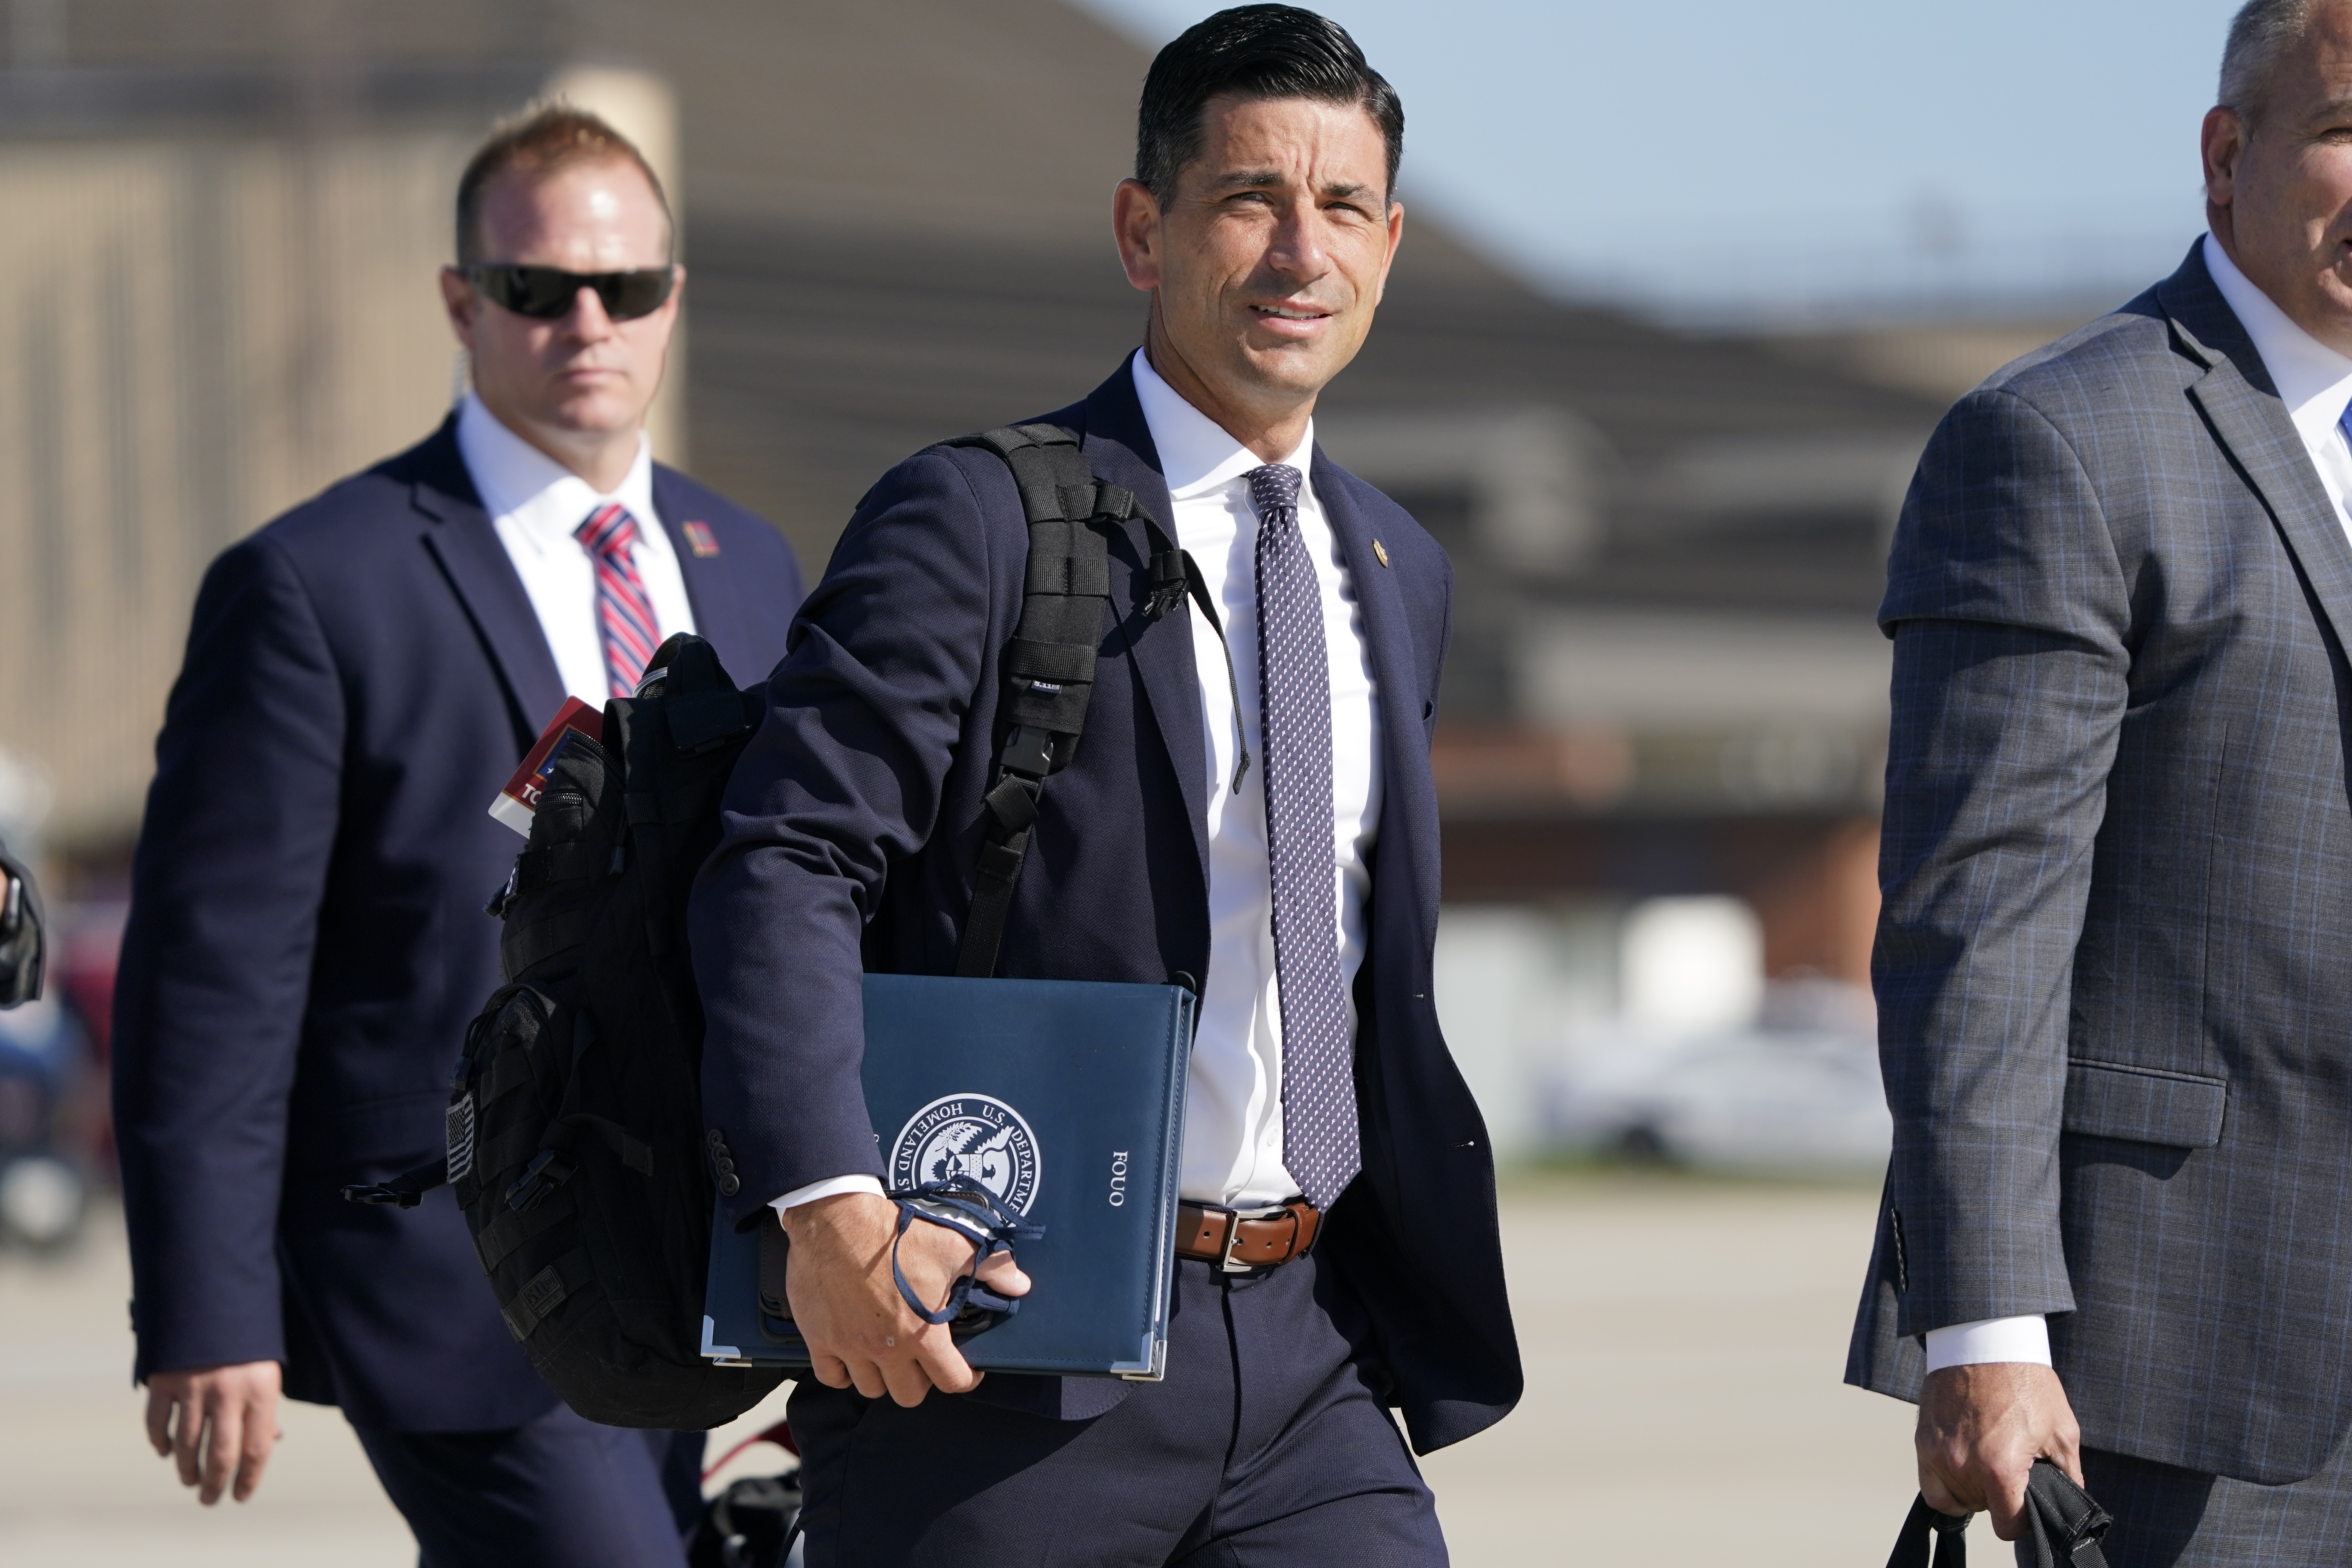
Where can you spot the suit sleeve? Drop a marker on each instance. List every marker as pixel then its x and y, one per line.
pixel 843 780
pixel 210 998
pixel 2010 617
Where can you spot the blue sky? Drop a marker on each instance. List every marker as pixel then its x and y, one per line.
pixel 1715 158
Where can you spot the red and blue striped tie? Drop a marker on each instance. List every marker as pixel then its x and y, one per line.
pixel 625 612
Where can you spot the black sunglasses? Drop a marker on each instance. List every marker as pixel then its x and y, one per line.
pixel 546 293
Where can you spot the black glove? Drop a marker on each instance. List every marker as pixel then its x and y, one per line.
pixel 2063 1527
pixel 20 934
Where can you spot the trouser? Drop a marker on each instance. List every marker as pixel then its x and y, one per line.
pixel 1264 1445
pixel 555 1492
pixel 2172 1518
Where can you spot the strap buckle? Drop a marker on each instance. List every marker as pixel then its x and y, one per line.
pixel 405 1190
pixel 381 1193
pixel 1028 752
pixel 1234 1218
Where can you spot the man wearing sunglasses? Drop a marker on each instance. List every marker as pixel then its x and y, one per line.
pixel 306 942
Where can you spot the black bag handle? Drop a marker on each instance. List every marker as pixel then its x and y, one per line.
pixel 1926 1526
pixel 2063 1527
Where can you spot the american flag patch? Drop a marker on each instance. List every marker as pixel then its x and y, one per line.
pixel 700 539
pixel 460 1134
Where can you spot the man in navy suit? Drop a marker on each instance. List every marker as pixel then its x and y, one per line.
pixel 1328 1130
pixel 306 942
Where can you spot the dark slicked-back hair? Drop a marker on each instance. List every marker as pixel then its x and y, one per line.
pixel 537 143
pixel 1254 51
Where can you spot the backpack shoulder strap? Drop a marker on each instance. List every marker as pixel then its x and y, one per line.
pixel 1048 668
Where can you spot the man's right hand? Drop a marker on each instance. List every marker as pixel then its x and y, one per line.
pixel 1981 1429
pixel 216 1422
pixel 847 1307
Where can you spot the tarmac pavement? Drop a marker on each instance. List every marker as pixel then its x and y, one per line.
pixel 1683 1339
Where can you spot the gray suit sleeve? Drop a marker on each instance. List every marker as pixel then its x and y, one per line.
pixel 2010 617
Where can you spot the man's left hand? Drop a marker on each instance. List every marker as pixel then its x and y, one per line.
pixel 215 1422
pixel 1982 1427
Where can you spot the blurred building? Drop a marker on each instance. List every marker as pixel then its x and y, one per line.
pixel 1937 354
pixel 218 294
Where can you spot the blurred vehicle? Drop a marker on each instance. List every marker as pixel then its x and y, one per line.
pixel 43 1192
pixel 88 933
pixel 1793 1101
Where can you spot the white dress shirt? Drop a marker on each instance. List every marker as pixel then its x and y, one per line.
pixel 2315 381
pixel 535 503
pixel 1233 1113
pixel 1232 1107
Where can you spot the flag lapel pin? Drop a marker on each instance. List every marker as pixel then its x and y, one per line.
pixel 705 544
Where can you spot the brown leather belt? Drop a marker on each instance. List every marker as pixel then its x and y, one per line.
pixel 1239 1240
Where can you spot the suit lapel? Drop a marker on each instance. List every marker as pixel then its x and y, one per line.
pixel 709 593
pixel 2243 406
pixel 1118 445
pixel 1388 632
pixel 460 538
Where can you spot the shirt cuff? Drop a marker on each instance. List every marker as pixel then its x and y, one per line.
pixel 2025 1338
pixel 833 1186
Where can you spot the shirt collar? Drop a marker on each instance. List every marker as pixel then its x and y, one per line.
pixel 515 479
pixel 1198 455
pixel 2313 381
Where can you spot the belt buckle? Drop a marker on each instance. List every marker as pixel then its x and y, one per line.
pixel 1225 1263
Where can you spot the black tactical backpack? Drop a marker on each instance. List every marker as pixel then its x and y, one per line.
pixel 20 934
pixel 576 1139
pixel 574 1122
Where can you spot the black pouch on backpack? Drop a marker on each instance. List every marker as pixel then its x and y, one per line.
pixel 575 1143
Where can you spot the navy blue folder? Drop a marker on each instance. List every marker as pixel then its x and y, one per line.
pixel 1065 1099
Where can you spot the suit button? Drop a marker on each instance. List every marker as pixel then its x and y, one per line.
pixel 728 1185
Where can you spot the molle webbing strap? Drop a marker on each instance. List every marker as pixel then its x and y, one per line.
pixel 1049 666
pixel 496 1242
pixel 546 1290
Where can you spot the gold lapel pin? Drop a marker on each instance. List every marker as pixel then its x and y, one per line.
pixel 1381 551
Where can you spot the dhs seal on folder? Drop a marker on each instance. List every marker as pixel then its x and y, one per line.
pixel 974 1137
pixel 1064 1099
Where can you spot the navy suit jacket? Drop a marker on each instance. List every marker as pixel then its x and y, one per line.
pixel 854 820
pixel 307 942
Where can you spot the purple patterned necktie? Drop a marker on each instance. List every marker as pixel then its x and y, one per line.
pixel 1318 1081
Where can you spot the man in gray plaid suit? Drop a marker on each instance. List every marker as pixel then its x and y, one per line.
pixel 2114 965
